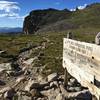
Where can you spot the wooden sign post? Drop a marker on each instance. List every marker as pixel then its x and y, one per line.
pixel 82 61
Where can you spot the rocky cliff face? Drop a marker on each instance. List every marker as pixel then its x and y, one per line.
pixel 38 19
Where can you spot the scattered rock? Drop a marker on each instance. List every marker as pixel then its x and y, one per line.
pixel 14 73
pixel 2 82
pixel 10 93
pixel 77 89
pixel 73 82
pixel 40 78
pixel 18 73
pixel 29 85
pixel 35 93
pixel 54 84
pixel 60 97
pixel 52 77
pixel 20 79
pixel 4 90
pixel 32 85
pixel 71 89
pixel 5 66
pixel 24 97
pixel 27 72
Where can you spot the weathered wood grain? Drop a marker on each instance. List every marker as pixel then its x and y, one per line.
pixel 82 61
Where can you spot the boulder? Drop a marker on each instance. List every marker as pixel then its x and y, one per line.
pixel 52 77
pixel 20 79
pixel 27 72
pixel 35 93
pixel 10 93
pixel 40 78
pixel 24 97
pixel 4 90
pixel 73 82
pixel 54 84
pixel 2 82
pixel 5 66
pixel 32 85
pixel 71 89
pixel 29 85
pixel 14 73
pixel 60 97
pixel 77 89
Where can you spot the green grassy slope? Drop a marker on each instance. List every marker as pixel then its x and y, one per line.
pixel 52 57
pixel 88 17
pixel 87 26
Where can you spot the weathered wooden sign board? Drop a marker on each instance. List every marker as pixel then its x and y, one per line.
pixel 82 61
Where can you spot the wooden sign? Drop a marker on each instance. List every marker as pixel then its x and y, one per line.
pixel 82 61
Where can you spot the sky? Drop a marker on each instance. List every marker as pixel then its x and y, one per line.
pixel 13 12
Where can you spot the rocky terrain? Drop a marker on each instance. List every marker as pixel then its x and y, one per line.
pixel 31 65
pixel 19 80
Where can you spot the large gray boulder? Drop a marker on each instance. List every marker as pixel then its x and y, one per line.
pixel 97 39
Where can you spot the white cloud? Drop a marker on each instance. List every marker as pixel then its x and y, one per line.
pixel 8 6
pixel 10 9
pixel 82 7
pixel 57 3
pixel 79 7
pixel 72 9
pixel 8 15
pixel 18 17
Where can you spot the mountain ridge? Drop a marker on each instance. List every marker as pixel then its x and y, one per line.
pixel 49 20
pixel 10 29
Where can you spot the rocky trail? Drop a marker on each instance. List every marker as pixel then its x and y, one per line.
pixel 25 82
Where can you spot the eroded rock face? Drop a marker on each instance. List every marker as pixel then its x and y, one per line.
pixel 39 18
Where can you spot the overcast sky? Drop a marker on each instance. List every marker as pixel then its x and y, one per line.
pixel 12 12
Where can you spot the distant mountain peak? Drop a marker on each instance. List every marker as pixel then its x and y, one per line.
pixel 10 29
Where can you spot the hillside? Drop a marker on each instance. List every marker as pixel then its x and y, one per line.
pixel 28 63
pixel 38 19
pixel 31 65
pixel 52 20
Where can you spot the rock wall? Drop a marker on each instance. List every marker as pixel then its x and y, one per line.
pixel 37 19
